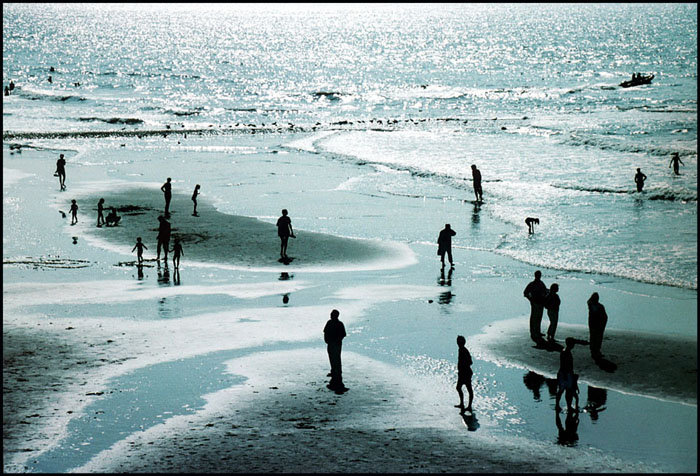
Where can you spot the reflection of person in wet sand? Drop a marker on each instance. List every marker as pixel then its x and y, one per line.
pixel 639 179
pixel 464 374
pixel 194 199
pixel 177 252
pixel 535 292
pixel 531 222
pixel 61 171
pixel 597 320
pixel 333 335
pixel 100 209
pixel 284 231
pixel 168 194
pixel 568 433
pixel 445 244
pixel 73 212
pixel 139 246
pixel 163 239
pixel 566 378
pixel 675 159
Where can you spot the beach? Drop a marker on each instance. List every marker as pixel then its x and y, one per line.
pixel 363 123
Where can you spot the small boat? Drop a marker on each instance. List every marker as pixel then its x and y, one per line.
pixel 637 81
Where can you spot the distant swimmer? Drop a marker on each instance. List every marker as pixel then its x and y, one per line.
pixel 51 69
pixel 566 378
pixel 112 218
pixel 284 231
pixel 476 175
pixel 100 216
pixel 597 320
pixel 73 212
pixel 464 374
pixel 639 179
pixel 163 238
pixel 50 80
pixel 535 292
pixel 531 222
pixel 61 171
pixel 139 246
pixel 445 244
pixel 194 199
pixel 675 160
pixel 168 194
pixel 177 252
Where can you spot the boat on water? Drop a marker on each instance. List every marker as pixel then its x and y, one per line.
pixel 637 80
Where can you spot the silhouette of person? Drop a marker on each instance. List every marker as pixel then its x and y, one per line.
pixel 531 222
pixel 639 179
pixel 112 218
pixel 61 171
pixel 177 252
pixel 50 80
pixel 163 239
pixel 167 192
pixel 675 159
pixel 476 175
pixel 444 242
pixel 597 320
pixel 100 209
pixel 194 199
pixel 7 91
pixel 464 374
pixel 566 379
pixel 12 85
pixel 139 246
pixel 73 212
pixel 333 335
pixel 568 435
pixel 139 268
pixel 552 303
pixel 284 231
pixel 535 292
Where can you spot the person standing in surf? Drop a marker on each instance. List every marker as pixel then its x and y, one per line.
pixel 639 179
pixel 168 194
pixel 476 175
pixel 675 159
pixel 284 231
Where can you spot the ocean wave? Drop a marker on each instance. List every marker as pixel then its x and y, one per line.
pixel 39 95
pixel 626 147
pixel 663 194
pixel 331 95
pixel 112 120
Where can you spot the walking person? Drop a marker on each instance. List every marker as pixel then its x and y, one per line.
pixel 464 374
pixel 177 252
pixel 639 179
pixel 535 292
pixel 194 199
pixel 61 171
pixel 476 176
pixel 597 320
pixel 552 303
pixel 284 231
pixel 168 194
pixel 333 335
pixel 139 246
pixel 675 159
pixel 566 379
pixel 73 212
pixel 163 239
pixel 100 210
pixel 445 244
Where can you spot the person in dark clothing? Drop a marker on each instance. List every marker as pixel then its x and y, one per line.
pixel 464 374
pixel 476 176
pixel 675 159
pixel 74 212
pixel 177 252
pixel 163 238
pixel 139 247
pixel 535 292
pixel 194 199
pixel 112 218
pixel 168 194
pixel 445 244
pixel 284 231
pixel 61 171
pixel 552 303
pixel 100 209
pixel 597 320
pixel 566 379
pixel 333 335
pixel 639 179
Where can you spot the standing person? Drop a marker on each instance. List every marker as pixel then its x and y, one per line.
pixel 675 159
pixel 73 212
pixel 445 244
pixel 139 247
pixel 61 171
pixel 194 199
pixel 333 335
pixel 177 252
pixel 597 320
pixel 566 379
pixel 464 374
pixel 552 303
pixel 536 292
pixel 163 238
pixel 639 179
pixel 167 192
pixel 100 209
pixel 284 231
pixel 476 175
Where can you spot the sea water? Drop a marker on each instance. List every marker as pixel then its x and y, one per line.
pixel 528 93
